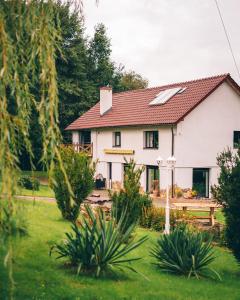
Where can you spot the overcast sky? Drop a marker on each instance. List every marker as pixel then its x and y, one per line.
pixel 169 40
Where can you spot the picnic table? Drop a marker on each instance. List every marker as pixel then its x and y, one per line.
pixel 201 207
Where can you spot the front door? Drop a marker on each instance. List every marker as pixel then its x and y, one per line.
pixel 201 182
pixel 152 178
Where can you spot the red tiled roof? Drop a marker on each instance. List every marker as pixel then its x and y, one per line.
pixel 132 108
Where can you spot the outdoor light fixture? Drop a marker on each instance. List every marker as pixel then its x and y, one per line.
pixel 160 161
pixel 171 162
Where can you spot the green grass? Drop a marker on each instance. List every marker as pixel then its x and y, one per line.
pixel 44 191
pixel 39 276
pixel 218 214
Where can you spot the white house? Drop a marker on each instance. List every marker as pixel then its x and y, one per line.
pixel 194 121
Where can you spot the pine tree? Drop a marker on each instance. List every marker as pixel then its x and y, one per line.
pixel 101 70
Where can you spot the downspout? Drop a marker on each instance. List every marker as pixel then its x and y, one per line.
pixel 172 153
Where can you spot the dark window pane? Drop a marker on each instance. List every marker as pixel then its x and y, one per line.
pixel 117 139
pixel 85 137
pixel 155 139
pixel 151 139
pixel 201 182
pixel 236 139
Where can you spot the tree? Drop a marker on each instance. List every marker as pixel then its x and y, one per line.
pixel 227 193
pixel 129 201
pixel 132 81
pixel 80 174
pixel 35 137
pixel 101 68
pixel 76 92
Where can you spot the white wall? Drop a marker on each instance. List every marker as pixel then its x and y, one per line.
pixel 131 139
pixel 117 172
pixel 205 132
pixel 183 177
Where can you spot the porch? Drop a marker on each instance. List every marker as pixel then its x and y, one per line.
pixel 78 147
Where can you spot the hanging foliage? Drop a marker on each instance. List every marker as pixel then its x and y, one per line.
pixel 29 38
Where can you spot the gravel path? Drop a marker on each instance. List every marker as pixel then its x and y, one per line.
pixel 36 198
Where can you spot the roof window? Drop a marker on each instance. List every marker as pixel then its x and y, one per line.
pixel 165 95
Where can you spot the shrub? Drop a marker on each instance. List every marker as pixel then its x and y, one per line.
pixel 98 246
pixel 215 233
pixel 13 222
pixel 80 175
pixel 178 192
pixel 154 218
pixel 183 252
pixel 29 183
pixel 129 200
pixel 227 193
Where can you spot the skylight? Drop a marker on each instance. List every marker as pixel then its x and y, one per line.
pixel 164 96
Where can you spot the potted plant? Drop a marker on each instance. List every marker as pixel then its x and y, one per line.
pixel 155 188
pixel 194 193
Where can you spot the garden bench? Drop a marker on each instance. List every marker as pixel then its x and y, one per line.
pixel 199 207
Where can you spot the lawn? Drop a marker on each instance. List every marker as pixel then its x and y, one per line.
pixel 44 191
pixel 39 276
pixel 218 214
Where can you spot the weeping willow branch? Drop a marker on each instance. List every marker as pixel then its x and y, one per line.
pixel 29 39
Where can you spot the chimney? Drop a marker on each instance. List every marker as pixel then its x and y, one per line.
pixel 105 99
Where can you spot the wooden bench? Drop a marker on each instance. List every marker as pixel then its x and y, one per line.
pixel 199 207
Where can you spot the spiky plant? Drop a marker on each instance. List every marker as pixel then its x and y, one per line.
pixel 183 252
pixel 98 246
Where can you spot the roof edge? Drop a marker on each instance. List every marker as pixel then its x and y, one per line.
pixel 124 126
pixel 175 83
pixel 227 77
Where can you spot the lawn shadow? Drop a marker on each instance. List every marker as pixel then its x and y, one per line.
pixel 109 276
pixel 226 273
pixel 206 276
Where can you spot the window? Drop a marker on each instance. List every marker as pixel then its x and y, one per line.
pixel 117 139
pixel 165 95
pixel 201 182
pixel 85 137
pixel 236 139
pixel 151 139
pixel 109 175
pixel 152 178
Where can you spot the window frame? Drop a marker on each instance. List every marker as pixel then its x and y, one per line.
pixel 236 145
pixel 115 134
pixel 155 137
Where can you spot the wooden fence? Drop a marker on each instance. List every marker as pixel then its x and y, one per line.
pixel 84 148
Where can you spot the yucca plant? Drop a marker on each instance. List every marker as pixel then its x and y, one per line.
pixel 183 252
pixel 97 246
